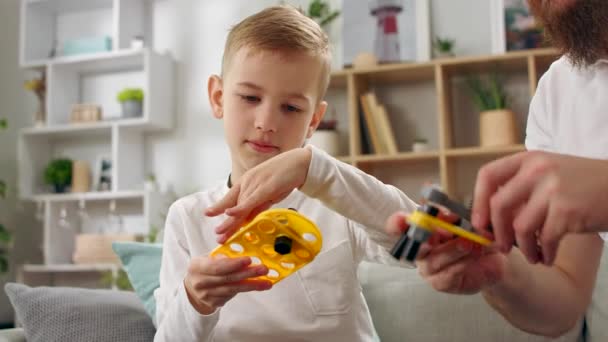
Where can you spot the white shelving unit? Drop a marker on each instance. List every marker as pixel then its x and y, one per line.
pixel 93 78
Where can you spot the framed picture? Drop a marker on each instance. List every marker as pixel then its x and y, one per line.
pixel 514 27
pixel 102 174
pixel 393 30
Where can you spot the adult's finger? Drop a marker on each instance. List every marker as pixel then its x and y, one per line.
pixel 489 178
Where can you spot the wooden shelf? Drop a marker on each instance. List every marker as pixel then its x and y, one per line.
pixel 88 196
pixel 396 158
pixel 484 151
pixel 402 72
pixel 67 268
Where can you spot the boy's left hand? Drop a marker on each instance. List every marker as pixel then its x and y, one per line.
pixel 260 187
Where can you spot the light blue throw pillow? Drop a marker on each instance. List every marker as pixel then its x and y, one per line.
pixel 142 262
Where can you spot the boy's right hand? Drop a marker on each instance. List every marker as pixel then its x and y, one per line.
pixel 212 281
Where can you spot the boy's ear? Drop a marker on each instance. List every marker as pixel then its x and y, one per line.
pixel 316 118
pixel 215 89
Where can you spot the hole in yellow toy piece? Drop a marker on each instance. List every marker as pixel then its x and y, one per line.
pixel 288 265
pixel 282 219
pixel 266 227
pixel 269 250
pixel 309 237
pixel 273 273
pixel 236 247
pixel 303 254
pixel 256 261
pixel 252 237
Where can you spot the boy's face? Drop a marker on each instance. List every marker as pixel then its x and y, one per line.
pixel 269 102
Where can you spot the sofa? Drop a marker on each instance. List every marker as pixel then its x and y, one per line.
pixel 405 308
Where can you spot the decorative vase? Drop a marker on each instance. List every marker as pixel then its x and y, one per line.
pixel 420 146
pixel 497 128
pixel 59 188
pixel 327 140
pixel 40 118
pixel 131 109
pixel 81 176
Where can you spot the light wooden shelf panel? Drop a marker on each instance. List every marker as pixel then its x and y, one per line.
pixel 396 158
pixel 402 72
pixel 339 78
pixel 67 268
pixel 511 61
pixel 88 196
pixel 483 151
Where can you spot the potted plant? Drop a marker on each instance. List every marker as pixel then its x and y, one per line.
pixel 38 87
pixel 326 136
pixel 320 12
pixel 5 235
pixel 420 145
pixel 496 122
pixel 59 174
pixel 444 47
pixel 131 100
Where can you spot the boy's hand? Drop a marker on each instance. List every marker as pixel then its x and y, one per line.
pixel 213 281
pixel 259 188
pixel 453 265
pixel 537 198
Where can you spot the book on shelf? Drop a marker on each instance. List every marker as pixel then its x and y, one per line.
pixel 376 120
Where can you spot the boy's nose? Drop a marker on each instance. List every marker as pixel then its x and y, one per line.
pixel 266 121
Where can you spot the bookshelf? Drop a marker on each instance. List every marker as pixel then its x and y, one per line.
pixel 431 99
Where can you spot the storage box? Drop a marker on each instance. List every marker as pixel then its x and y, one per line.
pixel 87 45
pixel 97 248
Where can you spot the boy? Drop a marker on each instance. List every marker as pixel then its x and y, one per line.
pixel 275 73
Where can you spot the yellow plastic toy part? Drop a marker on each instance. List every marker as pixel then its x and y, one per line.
pixel 426 221
pixel 282 239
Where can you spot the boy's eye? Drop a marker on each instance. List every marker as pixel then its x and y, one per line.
pixel 291 109
pixel 250 98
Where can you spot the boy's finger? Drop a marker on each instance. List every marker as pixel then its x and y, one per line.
pixel 232 223
pixel 396 224
pixel 249 272
pixel 243 286
pixel 444 255
pixel 224 266
pixel 229 200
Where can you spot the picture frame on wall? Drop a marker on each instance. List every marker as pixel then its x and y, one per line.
pixel 393 30
pixel 514 27
pixel 102 174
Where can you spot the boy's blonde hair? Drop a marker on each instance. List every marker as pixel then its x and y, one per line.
pixel 283 29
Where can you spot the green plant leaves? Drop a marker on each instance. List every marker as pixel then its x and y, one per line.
pixel 488 93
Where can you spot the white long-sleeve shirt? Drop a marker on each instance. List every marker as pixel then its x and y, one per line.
pixel 320 302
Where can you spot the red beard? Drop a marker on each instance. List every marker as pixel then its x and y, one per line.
pixel 579 29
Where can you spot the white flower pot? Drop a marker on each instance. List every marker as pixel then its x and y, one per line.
pixel 420 147
pixel 327 140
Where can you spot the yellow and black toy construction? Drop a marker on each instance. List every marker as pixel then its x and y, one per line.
pixel 425 220
pixel 282 239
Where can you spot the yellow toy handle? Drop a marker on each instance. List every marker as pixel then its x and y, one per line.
pixel 282 239
pixel 426 221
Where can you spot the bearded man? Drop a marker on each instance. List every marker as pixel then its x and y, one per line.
pixel 546 197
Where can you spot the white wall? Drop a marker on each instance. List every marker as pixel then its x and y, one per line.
pixel 194 154
pixel 194 31
pixel 18 107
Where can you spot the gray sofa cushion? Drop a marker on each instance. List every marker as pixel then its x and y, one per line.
pixel 597 314
pixel 74 314
pixel 405 308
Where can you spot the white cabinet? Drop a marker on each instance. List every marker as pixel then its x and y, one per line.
pixel 92 78
pixel 47 25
